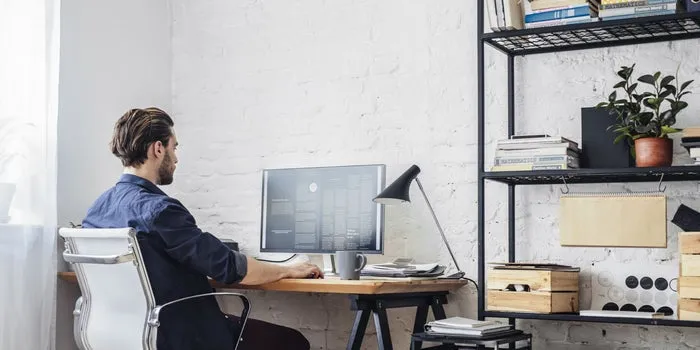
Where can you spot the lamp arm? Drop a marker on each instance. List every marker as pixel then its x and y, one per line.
pixel 442 233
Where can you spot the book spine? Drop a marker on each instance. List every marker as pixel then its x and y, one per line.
pixel 657 13
pixel 551 151
pixel 559 22
pixel 634 3
pixel 639 10
pixel 539 160
pixel 528 167
pixel 558 14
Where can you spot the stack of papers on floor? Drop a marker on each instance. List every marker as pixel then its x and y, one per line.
pixel 403 270
pixel 466 327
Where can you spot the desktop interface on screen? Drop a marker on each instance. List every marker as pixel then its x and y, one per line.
pixel 322 210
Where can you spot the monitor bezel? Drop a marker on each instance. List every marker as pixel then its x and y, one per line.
pixel 382 219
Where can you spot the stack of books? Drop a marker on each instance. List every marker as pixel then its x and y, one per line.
pixel 461 326
pixel 620 9
pixel 546 13
pixel 536 152
pixel 504 14
pixel 691 141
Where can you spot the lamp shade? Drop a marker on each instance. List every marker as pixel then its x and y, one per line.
pixel 397 192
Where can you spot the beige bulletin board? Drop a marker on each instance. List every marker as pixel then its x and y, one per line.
pixel 613 220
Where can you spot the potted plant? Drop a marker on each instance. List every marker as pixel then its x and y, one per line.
pixel 646 119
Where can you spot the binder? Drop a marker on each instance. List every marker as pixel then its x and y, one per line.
pixel 613 220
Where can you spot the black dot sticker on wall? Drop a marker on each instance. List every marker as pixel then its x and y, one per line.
pixel 628 307
pixel 665 310
pixel 631 282
pixel 661 283
pixel 646 282
pixel 611 307
pixel 646 308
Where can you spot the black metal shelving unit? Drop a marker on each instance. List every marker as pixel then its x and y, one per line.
pixel 557 39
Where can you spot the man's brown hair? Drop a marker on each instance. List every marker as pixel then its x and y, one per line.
pixel 136 130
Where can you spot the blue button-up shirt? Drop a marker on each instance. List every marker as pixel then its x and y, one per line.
pixel 178 258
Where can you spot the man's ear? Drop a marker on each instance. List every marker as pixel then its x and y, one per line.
pixel 158 149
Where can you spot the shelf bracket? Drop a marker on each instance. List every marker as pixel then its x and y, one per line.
pixel 661 179
pixel 563 178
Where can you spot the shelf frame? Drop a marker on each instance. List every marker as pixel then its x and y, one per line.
pixel 581 36
pixel 596 319
pixel 633 31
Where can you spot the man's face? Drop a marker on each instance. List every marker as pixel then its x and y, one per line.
pixel 167 167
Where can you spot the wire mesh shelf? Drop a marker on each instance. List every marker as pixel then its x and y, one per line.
pixel 596 34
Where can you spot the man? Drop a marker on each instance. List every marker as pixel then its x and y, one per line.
pixel 178 255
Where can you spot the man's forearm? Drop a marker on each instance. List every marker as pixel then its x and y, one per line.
pixel 261 272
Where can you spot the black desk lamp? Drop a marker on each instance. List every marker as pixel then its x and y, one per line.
pixel 397 193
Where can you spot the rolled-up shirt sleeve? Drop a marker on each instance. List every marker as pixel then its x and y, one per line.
pixel 199 250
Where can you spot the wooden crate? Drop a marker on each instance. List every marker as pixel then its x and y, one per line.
pixel 689 309
pixel 689 287
pixel 547 291
pixel 537 280
pixel 535 302
pixel 690 265
pixel 689 242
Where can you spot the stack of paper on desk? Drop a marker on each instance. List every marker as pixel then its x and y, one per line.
pixel 465 326
pixel 403 270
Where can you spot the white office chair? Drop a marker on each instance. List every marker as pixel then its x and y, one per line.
pixel 117 309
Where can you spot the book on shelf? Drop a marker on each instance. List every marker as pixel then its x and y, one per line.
pixel 465 327
pixel 662 8
pixel 607 5
pixel 537 5
pixel 536 141
pixel 537 15
pixel 504 15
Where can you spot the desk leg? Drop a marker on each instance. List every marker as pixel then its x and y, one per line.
pixel 381 324
pixel 438 310
pixel 419 325
pixel 358 329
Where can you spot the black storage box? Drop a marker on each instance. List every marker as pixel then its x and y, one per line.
pixel 597 147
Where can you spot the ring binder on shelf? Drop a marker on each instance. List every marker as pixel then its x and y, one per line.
pixel 613 219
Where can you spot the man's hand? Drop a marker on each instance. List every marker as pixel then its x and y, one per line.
pixel 305 270
pixel 262 272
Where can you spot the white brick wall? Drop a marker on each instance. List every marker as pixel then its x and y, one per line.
pixel 310 83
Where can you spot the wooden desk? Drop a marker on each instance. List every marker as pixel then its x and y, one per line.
pixel 371 296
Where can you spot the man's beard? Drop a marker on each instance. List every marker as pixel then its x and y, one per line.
pixel 166 170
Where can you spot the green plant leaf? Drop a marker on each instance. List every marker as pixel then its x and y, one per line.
pixel 684 93
pixel 669 130
pixel 602 104
pixel 685 85
pixel 667 79
pixel 664 94
pixel 632 88
pixel 648 79
pixel 656 76
pixel 612 97
pixel 650 102
pixel 678 105
pixel 619 138
pixel 620 85
pixel 671 88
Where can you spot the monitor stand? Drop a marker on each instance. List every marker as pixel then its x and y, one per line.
pixel 329 265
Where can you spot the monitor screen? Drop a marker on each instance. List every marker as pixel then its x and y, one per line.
pixel 322 209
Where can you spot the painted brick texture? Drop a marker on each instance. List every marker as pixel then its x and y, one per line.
pixel 261 84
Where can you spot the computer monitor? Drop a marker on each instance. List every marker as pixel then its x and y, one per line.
pixel 322 209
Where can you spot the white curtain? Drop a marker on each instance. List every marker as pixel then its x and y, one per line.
pixel 29 38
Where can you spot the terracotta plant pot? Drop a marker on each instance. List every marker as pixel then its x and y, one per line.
pixel 653 152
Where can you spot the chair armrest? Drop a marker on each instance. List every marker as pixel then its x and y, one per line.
pixel 155 313
pixel 77 324
pixel 97 259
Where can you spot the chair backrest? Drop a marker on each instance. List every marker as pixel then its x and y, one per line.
pixel 116 292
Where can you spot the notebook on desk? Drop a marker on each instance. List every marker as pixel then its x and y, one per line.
pixel 434 270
